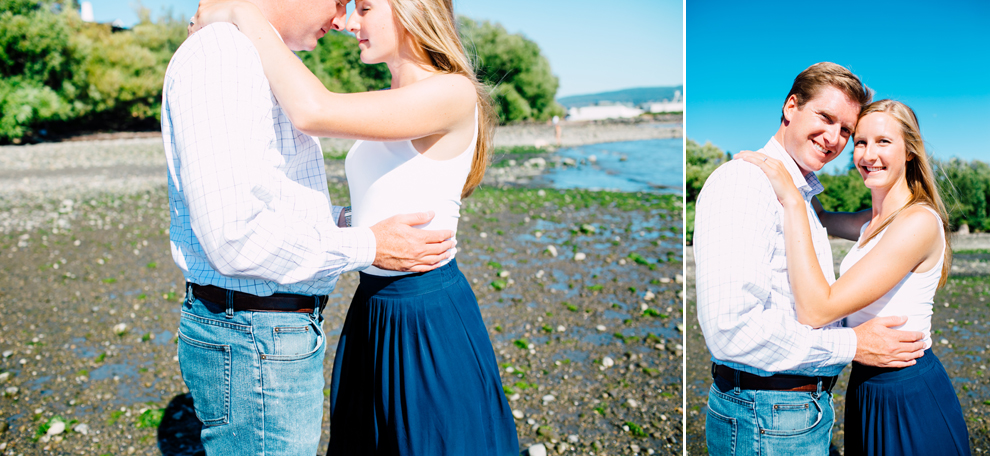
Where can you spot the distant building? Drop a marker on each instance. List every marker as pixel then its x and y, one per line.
pixel 664 106
pixel 86 12
pixel 603 112
pixel 675 105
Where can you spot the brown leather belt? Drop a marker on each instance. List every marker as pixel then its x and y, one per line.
pixel 776 382
pixel 278 302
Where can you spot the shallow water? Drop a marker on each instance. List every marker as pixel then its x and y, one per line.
pixel 631 166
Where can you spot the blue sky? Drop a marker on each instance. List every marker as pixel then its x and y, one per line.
pixel 933 56
pixel 593 46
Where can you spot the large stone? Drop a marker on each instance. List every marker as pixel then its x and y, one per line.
pixel 537 450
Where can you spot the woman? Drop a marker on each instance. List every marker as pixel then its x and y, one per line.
pixel 414 372
pixel 901 258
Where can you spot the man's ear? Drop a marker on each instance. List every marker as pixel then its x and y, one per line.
pixel 789 107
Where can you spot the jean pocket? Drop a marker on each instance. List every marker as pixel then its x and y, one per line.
pixel 794 416
pixel 721 431
pixel 296 342
pixel 206 372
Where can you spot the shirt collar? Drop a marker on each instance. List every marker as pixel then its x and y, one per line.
pixel 807 183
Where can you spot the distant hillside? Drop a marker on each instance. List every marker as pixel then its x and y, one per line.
pixel 627 96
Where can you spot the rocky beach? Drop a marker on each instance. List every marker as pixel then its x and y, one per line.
pixel 580 290
pixel 959 334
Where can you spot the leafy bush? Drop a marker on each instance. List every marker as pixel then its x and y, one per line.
pixel 965 188
pixel 60 74
pixel 524 84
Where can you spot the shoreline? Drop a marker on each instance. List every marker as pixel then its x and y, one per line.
pixel 127 163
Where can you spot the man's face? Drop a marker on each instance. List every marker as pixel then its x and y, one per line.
pixel 310 20
pixel 817 132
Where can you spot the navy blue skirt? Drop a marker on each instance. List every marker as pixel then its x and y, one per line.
pixel 415 372
pixel 907 411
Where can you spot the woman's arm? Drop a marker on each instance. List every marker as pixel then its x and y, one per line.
pixel 431 106
pixel 906 243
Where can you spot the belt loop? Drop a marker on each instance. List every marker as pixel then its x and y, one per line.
pixel 189 293
pixel 736 384
pixel 230 304
pixel 316 308
pixel 818 388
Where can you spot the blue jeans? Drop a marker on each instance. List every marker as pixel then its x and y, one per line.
pixel 256 378
pixel 766 423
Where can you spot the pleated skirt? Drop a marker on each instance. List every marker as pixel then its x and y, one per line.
pixel 907 411
pixel 415 372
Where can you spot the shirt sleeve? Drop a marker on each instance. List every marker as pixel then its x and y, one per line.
pixel 251 220
pixel 734 241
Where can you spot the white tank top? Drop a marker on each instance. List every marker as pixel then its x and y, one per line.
pixel 913 296
pixel 391 178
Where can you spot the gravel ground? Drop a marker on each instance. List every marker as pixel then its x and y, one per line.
pixel 959 327
pixel 589 340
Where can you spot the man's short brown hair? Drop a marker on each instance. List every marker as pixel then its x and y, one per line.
pixel 827 74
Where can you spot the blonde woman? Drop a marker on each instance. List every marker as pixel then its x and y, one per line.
pixel 901 258
pixel 415 372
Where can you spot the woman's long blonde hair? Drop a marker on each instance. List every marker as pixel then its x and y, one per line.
pixel 433 25
pixel 918 172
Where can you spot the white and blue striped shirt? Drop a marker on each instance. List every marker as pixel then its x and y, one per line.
pixel 745 303
pixel 247 191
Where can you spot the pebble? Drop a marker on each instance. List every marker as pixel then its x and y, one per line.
pixel 649 296
pixel 679 278
pixel 573 438
pixel 548 398
pixel 552 251
pixel 944 341
pixel 600 328
pixel 4 376
pixel 11 390
pixel 8 353
pixel 541 193
pixel 81 428
pixel 537 450
pixel 539 274
pixel 518 414
pixel 634 448
pixel 580 256
pixel 607 362
pixel 120 328
pixel 515 397
pixel 56 428
pixel 483 235
pixel 561 328
pixel 503 274
pixel 632 403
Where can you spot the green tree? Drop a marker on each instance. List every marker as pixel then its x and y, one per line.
pixel 701 161
pixel 844 192
pixel 965 189
pixel 36 63
pixel 524 85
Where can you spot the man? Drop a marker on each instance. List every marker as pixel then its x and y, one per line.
pixel 255 235
pixel 772 375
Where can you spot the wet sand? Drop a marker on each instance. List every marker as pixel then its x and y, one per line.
pixel 589 349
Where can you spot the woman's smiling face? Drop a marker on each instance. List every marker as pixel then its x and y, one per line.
pixel 879 151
